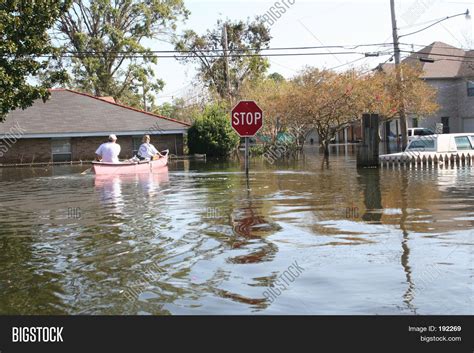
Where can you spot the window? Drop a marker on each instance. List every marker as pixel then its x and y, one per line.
pixel 425 132
pixel 421 132
pixel 422 144
pixel 463 143
pixel 470 88
pixel 445 122
pixel 415 122
pixel 137 142
pixel 61 150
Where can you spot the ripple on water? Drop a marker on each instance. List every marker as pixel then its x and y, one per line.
pixel 204 241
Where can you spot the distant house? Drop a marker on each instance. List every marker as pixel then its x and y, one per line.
pixel 71 125
pixel 452 73
pixel 351 134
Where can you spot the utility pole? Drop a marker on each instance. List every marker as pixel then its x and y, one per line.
pixel 144 98
pixel 398 72
pixel 226 61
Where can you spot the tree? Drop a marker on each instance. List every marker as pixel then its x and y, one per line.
pixel 384 99
pixel 187 108
pixel 327 101
pixel 23 40
pixel 211 133
pixel 244 40
pixel 166 109
pixel 275 76
pixel 104 36
pixel 284 129
pixel 330 101
pixel 271 95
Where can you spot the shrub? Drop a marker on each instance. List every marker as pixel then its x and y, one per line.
pixel 212 134
pixel 257 150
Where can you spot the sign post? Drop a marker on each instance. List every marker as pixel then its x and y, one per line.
pixel 247 120
pixel 247 155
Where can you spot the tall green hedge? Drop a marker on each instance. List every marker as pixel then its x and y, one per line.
pixel 212 134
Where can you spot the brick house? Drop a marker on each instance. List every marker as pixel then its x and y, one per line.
pixel 71 125
pixel 452 74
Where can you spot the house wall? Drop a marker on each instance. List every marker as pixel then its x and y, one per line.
pixel 451 98
pixel 466 107
pixel 175 143
pixel 312 134
pixel 354 134
pixel 25 151
pixel 82 148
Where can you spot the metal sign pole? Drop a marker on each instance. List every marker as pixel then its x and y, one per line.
pixel 247 156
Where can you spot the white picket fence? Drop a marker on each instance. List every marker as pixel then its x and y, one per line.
pixel 413 160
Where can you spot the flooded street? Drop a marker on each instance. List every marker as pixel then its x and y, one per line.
pixel 200 239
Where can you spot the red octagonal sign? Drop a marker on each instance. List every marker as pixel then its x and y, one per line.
pixel 247 118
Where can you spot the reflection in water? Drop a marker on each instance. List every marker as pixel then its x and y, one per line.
pixel 221 262
pixel 151 183
pixel 109 188
pixel 370 183
pixel 369 180
pixel 250 230
pixel 409 294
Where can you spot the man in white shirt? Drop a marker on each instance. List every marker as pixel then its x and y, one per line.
pixel 147 151
pixel 108 152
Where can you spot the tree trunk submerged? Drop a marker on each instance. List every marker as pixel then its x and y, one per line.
pixel 325 147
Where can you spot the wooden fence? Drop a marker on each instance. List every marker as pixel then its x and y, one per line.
pixel 441 160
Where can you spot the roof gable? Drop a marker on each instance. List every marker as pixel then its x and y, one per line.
pixel 449 61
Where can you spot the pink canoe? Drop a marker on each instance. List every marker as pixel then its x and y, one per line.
pixel 128 167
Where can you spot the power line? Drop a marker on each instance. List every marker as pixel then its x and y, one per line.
pixel 148 52
pixel 447 46
pixel 348 63
pixel 209 52
pixel 444 59
pixel 283 66
pixel 386 52
pixel 421 23
pixel 438 54
pixel 135 56
pixel 435 23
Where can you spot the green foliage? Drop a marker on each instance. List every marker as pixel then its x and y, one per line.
pixel 104 37
pixel 23 40
pixel 242 38
pixel 166 109
pixel 212 133
pixel 257 150
pixel 181 110
pixel 277 77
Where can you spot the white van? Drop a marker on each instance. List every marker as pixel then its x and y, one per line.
pixel 418 131
pixel 443 143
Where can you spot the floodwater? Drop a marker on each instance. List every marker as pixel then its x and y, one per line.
pixel 298 237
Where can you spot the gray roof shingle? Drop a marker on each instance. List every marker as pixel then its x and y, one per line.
pixel 71 113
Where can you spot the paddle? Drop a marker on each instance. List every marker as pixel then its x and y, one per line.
pixel 86 171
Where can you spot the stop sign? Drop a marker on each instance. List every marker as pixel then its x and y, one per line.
pixel 247 118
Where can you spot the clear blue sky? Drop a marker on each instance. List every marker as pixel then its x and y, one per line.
pixel 315 23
